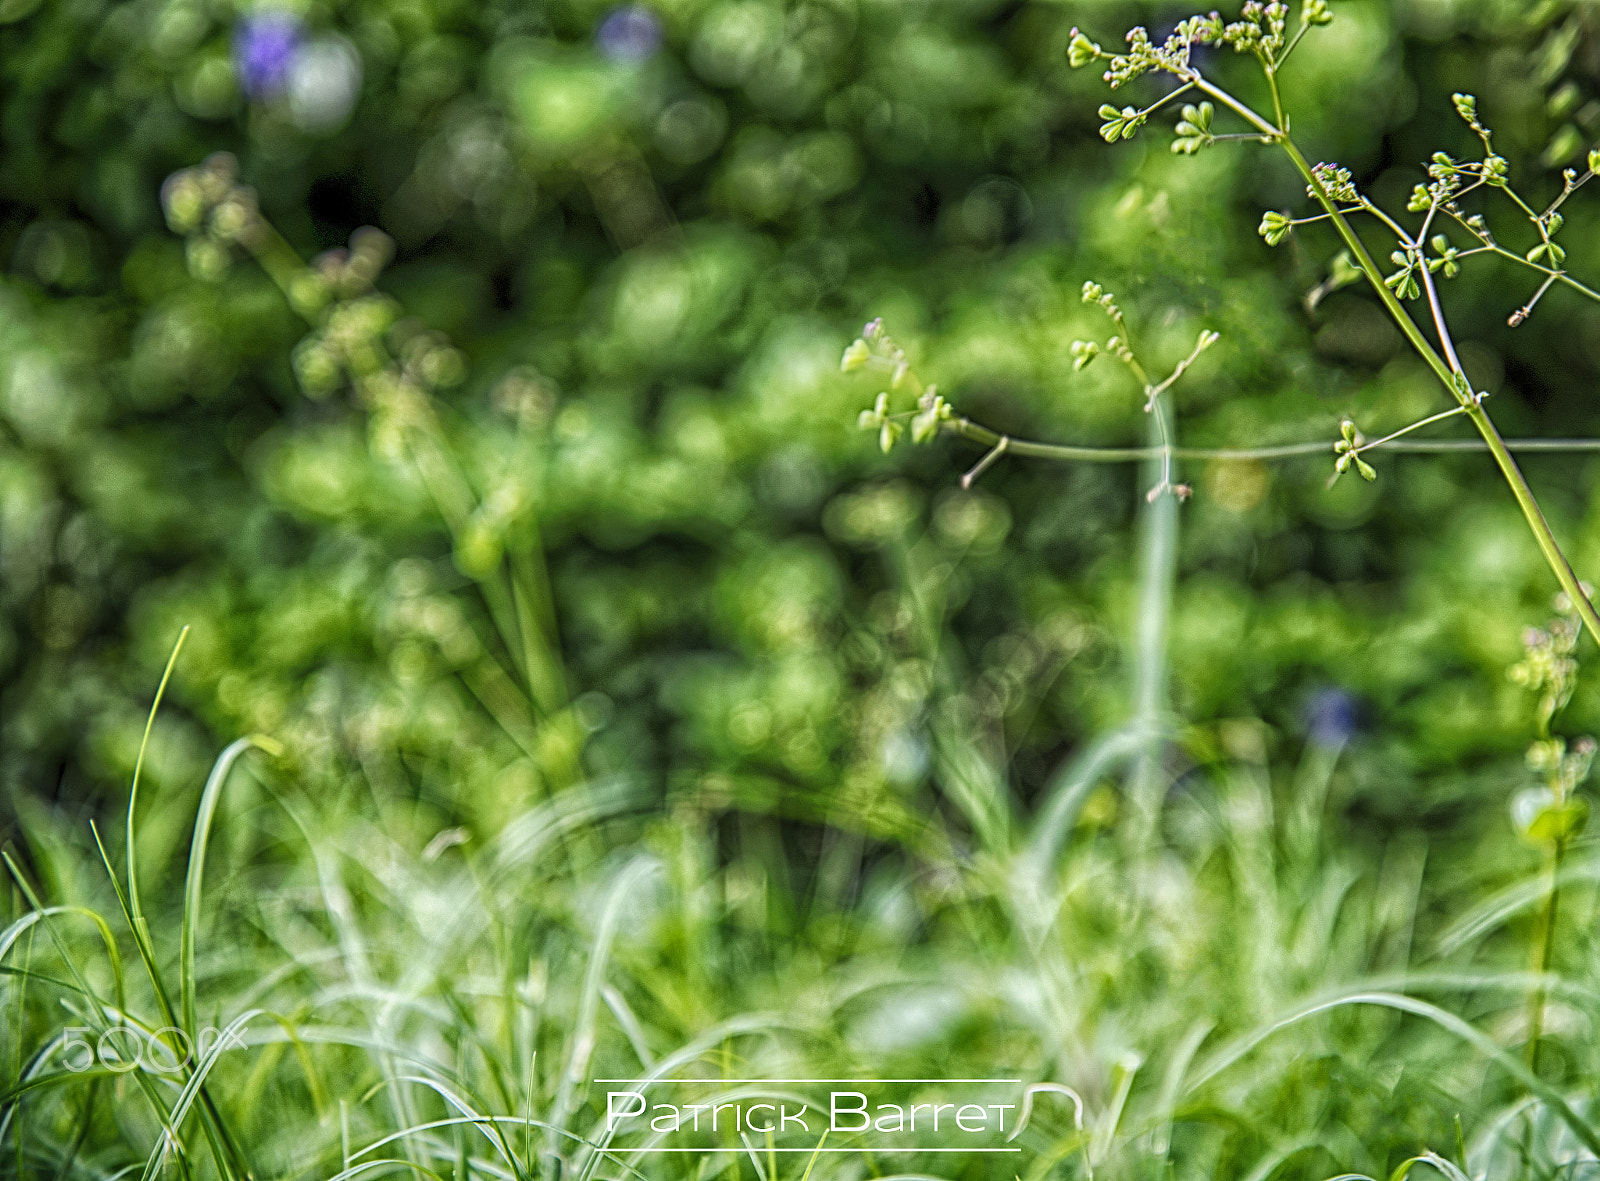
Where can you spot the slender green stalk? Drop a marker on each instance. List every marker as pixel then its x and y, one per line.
pixel 1547 950
pixel 1030 449
pixel 1406 430
pixel 1158 560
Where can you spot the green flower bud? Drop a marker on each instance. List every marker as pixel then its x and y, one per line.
pixel 1119 124
pixel 183 201
pixel 316 366
pixel 925 425
pixel 1274 226
pixel 442 368
pixel 1194 129
pixel 1546 755
pixel 888 433
pixel 871 420
pixel 207 260
pixel 1081 51
pixel 234 216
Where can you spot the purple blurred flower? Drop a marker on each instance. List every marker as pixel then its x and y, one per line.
pixel 1332 716
pixel 629 34
pixel 265 44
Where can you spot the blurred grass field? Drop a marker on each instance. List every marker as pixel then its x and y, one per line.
pixel 603 704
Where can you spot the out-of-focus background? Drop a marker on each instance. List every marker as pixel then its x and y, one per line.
pixel 650 230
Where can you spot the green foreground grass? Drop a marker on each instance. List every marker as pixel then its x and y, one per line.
pixel 1235 989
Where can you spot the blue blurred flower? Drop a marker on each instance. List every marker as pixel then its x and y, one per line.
pixel 265 44
pixel 629 34
pixel 1332 716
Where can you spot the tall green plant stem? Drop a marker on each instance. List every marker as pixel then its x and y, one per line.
pixel 1451 377
pixel 1157 572
pixel 1547 951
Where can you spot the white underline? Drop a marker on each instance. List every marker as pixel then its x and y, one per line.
pixel 759 1150
pixel 647 1082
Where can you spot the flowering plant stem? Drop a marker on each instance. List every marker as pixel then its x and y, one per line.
pixel 1158 561
pixel 1449 373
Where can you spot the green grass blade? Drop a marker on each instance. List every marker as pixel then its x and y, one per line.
pixel 15 931
pixel 582 1044
pixel 204 815
pixel 1585 1131
pixel 134 909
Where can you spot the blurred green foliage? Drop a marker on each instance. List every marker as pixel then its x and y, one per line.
pixel 651 252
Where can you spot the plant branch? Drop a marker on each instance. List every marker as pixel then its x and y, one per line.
pixel 1440 326
pixel 1069 453
pixel 1406 430
pixel 1526 500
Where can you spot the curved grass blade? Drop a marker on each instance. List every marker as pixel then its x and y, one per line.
pixel 133 791
pixel 589 1002
pixel 204 815
pixel 13 932
pixel 1514 1066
